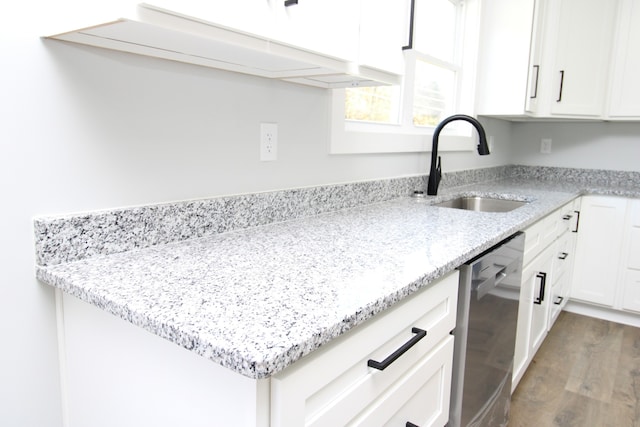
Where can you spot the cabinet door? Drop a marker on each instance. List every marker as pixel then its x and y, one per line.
pixel 584 31
pixel 533 312
pixel 330 27
pixel 249 16
pixel 625 91
pixel 503 57
pixel 384 30
pixel 539 276
pixel 598 251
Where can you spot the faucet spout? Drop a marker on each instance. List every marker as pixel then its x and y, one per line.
pixel 435 174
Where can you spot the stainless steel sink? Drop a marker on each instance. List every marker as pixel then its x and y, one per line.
pixel 482 204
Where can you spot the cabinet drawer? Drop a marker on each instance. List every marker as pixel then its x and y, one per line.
pixel 421 396
pixel 568 215
pixel 334 384
pixel 564 256
pixel 539 235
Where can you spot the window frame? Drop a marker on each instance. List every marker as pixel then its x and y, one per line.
pixel 353 137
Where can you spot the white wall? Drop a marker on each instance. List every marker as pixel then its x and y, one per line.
pixel 580 145
pixel 86 129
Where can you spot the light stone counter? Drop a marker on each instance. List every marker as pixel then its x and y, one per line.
pixel 257 299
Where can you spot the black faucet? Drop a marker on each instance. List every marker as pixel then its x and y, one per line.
pixel 436 170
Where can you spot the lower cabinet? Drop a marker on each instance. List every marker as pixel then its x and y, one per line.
pixel 546 275
pixel 607 270
pixel 599 249
pixel 116 374
pixel 336 386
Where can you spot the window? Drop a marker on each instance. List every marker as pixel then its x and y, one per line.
pixel 437 83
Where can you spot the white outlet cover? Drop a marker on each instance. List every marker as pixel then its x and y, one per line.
pixel 268 142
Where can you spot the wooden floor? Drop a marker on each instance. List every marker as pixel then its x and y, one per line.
pixel 586 374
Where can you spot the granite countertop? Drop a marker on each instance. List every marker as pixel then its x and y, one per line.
pixel 256 300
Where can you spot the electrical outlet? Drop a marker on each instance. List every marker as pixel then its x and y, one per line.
pixel 268 142
pixel 545 145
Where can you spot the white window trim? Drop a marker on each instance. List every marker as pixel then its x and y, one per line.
pixel 350 137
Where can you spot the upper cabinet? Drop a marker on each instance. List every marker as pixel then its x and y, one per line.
pixel 315 42
pixel 552 59
pixel 582 31
pixel 625 85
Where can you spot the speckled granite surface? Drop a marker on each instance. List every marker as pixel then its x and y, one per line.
pixel 257 299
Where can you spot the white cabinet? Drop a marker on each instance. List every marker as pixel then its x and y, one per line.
pixel 336 386
pixel 508 37
pixel 583 30
pixel 606 280
pixel 631 260
pixel 296 25
pixel 116 374
pixel 249 16
pixel 316 42
pixel 545 276
pixel 599 249
pixel 625 85
pixel 330 27
pixel 384 30
pixel 545 58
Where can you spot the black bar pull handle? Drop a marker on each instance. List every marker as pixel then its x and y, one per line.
pixel 535 84
pixel 411 15
pixel 543 282
pixel 559 300
pixel 288 3
pixel 577 221
pixel 409 424
pixel 567 217
pixel 561 83
pixel 420 333
pixel 563 255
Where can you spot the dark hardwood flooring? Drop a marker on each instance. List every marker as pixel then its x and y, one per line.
pixel 586 374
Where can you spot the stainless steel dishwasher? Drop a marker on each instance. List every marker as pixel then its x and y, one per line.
pixel 485 336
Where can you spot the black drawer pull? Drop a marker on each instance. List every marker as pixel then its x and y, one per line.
pixel 543 282
pixel 409 424
pixel 577 221
pixel 563 255
pixel 399 352
pixel 559 301
pixel 288 3
pixel 567 217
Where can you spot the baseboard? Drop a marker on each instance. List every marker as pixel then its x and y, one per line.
pixel 617 316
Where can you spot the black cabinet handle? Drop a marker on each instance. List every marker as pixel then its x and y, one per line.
pixel 411 14
pixel 567 217
pixel 410 424
pixel 535 86
pixel 543 282
pixel 288 3
pixel 420 333
pixel 561 83
pixel 559 301
pixel 577 221
pixel 563 255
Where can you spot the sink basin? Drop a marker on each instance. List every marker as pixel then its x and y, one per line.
pixel 482 204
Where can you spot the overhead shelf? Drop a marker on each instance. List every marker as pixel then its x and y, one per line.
pixel 164 34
